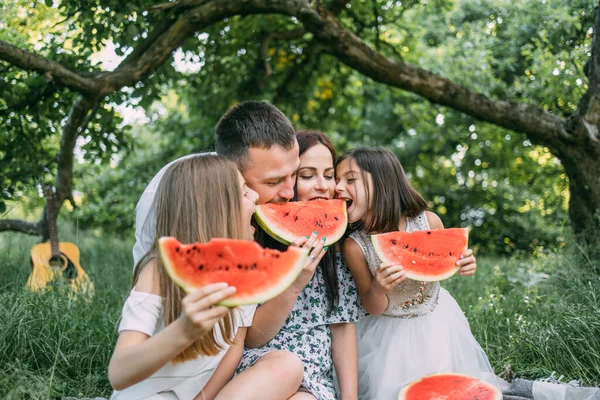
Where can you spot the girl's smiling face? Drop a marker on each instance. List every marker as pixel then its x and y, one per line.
pixel 315 177
pixel 353 184
pixel 249 198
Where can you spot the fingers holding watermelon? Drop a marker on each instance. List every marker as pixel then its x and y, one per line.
pixel 317 252
pixel 467 263
pixel 200 312
pixel 387 276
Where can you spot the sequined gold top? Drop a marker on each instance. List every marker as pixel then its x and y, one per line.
pixel 410 298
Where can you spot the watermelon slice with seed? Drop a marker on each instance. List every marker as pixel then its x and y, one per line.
pixel 424 255
pixel 449 387
pixel 258 274
pixel 289 221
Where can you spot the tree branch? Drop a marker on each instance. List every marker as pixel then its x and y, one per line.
pixel 51 69
pixel 585 121
pixel 29 228
pixel 541 127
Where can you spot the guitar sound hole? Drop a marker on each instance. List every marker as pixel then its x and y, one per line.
pixel 68 268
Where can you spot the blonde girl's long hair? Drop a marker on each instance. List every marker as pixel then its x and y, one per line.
pixel 198 198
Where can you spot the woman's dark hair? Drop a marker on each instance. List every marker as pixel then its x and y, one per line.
pixel 393 195
pixel 306 140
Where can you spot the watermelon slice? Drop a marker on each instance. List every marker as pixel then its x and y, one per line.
pixel 289 221
pixel 425 255
pixel 449 387
pixel 258 274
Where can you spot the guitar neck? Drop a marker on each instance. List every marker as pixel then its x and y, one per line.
pixel 51 216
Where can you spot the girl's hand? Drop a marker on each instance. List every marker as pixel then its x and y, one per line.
pixel 387 277
pixel 314 257
pixel 199 313
pixel 467 263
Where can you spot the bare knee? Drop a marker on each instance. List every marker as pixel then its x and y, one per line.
pixel 285 366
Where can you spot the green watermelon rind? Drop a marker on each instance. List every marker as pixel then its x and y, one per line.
pixel 235 301
pixel 413 275
pixel 406 388
pixel 287 237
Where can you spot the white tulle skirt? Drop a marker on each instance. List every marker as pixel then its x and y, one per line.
pixel 395 351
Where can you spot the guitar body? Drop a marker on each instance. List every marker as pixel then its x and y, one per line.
pixel 64 269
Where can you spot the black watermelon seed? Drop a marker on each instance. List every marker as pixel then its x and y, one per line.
pixel 287 214
pixel 239 266
pixel 394 242
pixel 325 215
pixel 336 218
pixel 201 267
pixel 296 218
pixel 451 254
pixel 226 268
pixel 177 249
pixel 429 232
pixel 188 251
pixel 415 250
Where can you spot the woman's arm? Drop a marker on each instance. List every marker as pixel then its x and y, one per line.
pixel 345 358
pixel 226 368
pixel 270 316
pixel 372 289
pixel 137 355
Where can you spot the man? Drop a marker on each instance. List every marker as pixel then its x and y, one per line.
pixel 260 139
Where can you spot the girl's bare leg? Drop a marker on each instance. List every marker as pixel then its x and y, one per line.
pixel 276 376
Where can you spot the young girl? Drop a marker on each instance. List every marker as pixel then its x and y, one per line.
pixel 177 346
pixel 414 328
pixel 320 328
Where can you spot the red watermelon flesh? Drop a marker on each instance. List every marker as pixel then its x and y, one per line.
pixel 258 274
pixel 449 387
pixel 289 221
pixel 424 255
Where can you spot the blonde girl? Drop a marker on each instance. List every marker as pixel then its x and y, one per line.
pixel 177 346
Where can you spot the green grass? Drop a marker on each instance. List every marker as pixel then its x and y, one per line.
pixel 533 317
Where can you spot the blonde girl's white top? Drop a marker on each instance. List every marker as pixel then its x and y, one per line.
pixel 142 312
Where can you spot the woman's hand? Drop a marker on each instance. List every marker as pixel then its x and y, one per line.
pixel 467 263
pixel 387 276
pixel 199 312
pixel 317 251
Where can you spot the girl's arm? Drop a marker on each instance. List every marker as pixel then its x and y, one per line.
pixel 345 358
pixel 226 368
pixel 372 289
pixel 137 355
pixel 467 262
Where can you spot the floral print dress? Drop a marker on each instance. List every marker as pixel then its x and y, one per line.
pixel 306 330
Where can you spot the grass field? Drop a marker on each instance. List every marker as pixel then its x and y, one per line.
pixel 533 316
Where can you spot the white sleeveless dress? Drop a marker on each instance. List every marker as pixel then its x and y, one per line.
pixel 422 331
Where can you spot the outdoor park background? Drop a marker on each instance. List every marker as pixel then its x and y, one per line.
pixel 493 163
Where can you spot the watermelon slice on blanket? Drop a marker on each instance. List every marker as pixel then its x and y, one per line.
pixel 424 255
pixel 449 387
pixel 258 274
pixel 288 221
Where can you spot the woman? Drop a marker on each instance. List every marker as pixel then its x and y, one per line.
pixel 320 328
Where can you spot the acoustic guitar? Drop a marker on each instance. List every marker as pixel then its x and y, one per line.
pixel 57 263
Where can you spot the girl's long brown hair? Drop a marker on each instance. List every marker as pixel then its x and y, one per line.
pixel 198 198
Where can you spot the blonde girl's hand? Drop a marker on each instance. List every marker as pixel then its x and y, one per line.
pixel 467 263
pixel 316 253
pixel 387 276
pixel 199 313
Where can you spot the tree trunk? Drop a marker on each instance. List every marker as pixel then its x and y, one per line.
pixel 583 169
